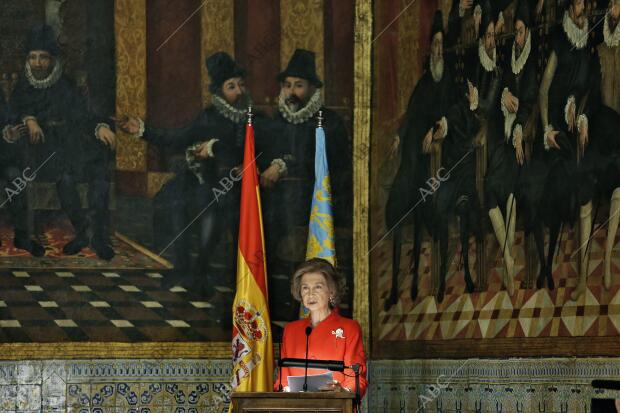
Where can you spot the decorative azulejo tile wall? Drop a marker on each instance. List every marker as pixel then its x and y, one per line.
pixel 404 386
pixel 479 385
pixel 115 386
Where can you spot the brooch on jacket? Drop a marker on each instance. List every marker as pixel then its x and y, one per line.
pixel 339 333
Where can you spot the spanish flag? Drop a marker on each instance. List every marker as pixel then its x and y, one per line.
pixel 252 346
pixel 321 242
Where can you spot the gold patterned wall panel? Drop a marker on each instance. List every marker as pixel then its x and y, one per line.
pixel 302 26
pixel 362 93
pixel 130 30
pixel 217 34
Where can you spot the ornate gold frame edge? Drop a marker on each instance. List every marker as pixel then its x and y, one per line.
pixel 103 350
pixel 361 148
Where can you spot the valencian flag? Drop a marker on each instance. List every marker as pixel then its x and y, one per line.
pixel 252 345
pixel 321 240
pixel 321 231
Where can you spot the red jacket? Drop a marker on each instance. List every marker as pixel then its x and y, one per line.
pixel 335 338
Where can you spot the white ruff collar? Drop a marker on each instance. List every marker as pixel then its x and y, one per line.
pixel 314 104
pixel 436 69
pixel 518 64
pixel 485 60
pixel 49 81
pixel 611 39
pixel 578 37
pixel 228 111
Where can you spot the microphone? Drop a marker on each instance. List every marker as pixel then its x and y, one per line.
pixel 308 332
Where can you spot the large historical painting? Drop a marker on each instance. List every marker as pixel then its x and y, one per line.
pixel 492 191
pixel 123 236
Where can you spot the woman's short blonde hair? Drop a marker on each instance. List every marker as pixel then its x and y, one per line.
pixel 335 283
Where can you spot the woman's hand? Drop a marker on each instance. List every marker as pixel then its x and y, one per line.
pixel 333 386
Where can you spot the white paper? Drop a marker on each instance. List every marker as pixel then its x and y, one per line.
pixel 315 381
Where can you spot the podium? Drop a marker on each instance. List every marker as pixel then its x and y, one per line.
pixel 311 402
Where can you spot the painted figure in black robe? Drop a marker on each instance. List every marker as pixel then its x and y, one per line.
pixel 505 139
pixel 72 144
pixel 565 107
pixel 462 9
pixel 425 121
pixel 603 156
pixel 16 174
pixel 458 196
pixel 206 190
pixel 289 181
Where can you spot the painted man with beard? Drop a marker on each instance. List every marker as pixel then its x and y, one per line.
pixel 505 143
pixel 424 122
pixel 291 182
pixel 564 108
pixel 13 169
pixel 462 8
pixel 604 159
pixel 213 147
pixel 70 141
pixel 458 196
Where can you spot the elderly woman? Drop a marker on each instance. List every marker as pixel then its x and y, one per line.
pixel 318 286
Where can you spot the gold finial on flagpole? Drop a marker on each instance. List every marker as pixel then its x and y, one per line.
pixel 320 119
pixel 250 115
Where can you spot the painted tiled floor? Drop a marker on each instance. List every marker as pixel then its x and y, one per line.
pixel 124 306
pixel 493 313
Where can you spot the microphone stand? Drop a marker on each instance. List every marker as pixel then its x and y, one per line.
pixel 280 367
pixel 356 370
pixel 308 331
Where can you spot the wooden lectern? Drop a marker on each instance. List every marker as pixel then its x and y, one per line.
pixel 311 402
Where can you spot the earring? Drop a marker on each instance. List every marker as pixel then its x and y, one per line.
pixel 332 302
